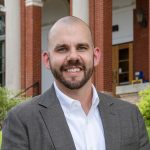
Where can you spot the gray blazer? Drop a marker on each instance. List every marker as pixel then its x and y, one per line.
pixel 40 124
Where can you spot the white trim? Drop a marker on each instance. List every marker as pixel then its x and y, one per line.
pixel 34 3
pixel 132 88
pixel 124 39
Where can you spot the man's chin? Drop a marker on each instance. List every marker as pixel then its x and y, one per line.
pixel 72 85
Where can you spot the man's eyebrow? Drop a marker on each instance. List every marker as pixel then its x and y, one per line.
pixel 83 44
pixel 65 45
pixel 60 45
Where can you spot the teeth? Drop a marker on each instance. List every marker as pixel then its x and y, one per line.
pixel 73 70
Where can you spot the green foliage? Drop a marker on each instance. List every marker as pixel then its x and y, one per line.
pixel 7 102
pixel 144 105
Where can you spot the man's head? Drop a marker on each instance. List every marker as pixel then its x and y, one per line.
pixel 71 55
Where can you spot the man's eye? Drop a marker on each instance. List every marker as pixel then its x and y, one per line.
pixel 62 49
pixel 82 48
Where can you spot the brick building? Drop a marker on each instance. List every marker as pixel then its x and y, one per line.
pixel 120 28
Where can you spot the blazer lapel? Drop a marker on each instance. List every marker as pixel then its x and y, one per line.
pixel 110 121
pixel 55 121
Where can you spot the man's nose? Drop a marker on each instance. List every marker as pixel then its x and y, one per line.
pixel 73 55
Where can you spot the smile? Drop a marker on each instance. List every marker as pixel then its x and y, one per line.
pixel 73 70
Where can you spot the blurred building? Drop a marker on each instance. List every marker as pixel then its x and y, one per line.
pixel 119 27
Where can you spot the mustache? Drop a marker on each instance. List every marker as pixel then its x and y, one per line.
pixel 73 63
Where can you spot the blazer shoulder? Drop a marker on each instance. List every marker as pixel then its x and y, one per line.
pixel 116 102
pixel 25 106
pixel 31 103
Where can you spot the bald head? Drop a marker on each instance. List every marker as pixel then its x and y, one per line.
pixel 69 22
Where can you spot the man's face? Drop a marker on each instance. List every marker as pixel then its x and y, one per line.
pixel 71 55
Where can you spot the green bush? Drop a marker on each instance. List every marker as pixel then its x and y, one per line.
pixel 7 101
pixel 144 106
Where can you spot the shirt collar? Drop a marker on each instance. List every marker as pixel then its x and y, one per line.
pixel 67 102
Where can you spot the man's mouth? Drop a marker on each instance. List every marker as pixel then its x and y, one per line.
pixel 73 66
pixel 72 70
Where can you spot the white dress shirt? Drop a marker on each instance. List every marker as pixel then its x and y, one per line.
pixel 87 130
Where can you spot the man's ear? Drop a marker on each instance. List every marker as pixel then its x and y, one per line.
pixel 45 59
pixel 97 55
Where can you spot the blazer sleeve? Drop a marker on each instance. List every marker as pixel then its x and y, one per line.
pixel 14 135
pixel 144 142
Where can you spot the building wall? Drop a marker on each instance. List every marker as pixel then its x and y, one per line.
pixel 100 14
pixel 31 46
pixel 141 44
pixel 33 49
pixel 101 25
pixel 23 43
pixel 124 19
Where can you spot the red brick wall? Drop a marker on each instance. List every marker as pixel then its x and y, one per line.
pixel 101 25
pixel 23 43
pixel 30 48
pixel 140 46
pixel 33 48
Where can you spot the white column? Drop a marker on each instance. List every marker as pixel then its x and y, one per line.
pixel 13 41
pixel 80 9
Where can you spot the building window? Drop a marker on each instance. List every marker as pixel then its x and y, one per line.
pixel 2 63
pixel 2 25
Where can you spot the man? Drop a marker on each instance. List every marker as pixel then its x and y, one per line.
pixel 71 115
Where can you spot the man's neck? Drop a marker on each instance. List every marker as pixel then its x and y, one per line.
pixel 84 94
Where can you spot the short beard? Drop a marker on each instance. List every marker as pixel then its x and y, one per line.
pixel 70 85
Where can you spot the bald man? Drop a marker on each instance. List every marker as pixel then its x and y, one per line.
pixel 72 115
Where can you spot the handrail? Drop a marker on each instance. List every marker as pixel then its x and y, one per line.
pixel 36 84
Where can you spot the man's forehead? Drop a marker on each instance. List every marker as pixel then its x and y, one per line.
pixel 68 22
pixel 66 27
pixel 72 36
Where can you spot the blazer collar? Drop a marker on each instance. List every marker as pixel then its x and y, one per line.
pixel 54 119
pixel 110 121
pixel 58 129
